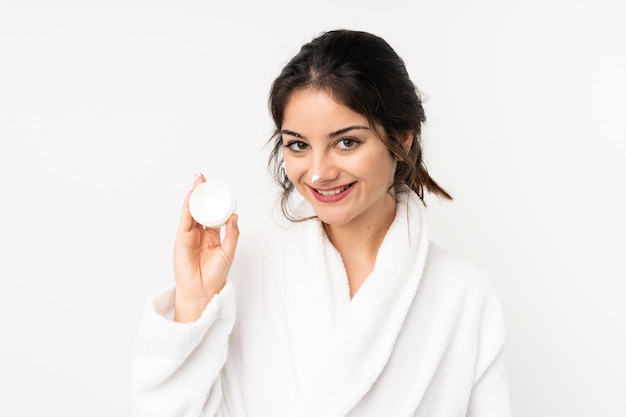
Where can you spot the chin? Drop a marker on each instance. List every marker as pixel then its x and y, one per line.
pixel 334 219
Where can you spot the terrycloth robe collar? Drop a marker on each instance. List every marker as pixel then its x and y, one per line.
pixel 357 336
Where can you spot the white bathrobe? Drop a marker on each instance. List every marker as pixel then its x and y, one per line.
pixel 423 336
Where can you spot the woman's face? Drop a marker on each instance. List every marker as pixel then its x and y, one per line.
pixel 336 161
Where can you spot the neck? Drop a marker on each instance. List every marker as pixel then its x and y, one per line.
pixel 359 238
pixel 358 242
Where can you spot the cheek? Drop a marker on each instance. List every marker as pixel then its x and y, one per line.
pixel 294 167
pixel 382 168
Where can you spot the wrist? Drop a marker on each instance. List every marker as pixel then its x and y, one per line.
pixel 187 310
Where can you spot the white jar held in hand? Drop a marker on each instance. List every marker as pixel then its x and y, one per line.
pixel 212 203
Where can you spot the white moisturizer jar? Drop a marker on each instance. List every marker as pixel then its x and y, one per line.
pixel 212 203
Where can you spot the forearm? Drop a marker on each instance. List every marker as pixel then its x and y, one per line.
pixel 176 368
pixel 188 310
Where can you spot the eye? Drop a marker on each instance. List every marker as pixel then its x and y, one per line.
pixel 348 143
pixel 297 146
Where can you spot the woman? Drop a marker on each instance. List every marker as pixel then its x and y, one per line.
pixel 347 311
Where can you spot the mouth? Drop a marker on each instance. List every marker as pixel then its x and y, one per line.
pixel 332 195
pixel 334 191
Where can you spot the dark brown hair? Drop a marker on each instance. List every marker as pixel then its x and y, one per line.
pixel 363 72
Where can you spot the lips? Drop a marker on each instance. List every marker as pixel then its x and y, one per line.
pixel 332 195
pixel 334 191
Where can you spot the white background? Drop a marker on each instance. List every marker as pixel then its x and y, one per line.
pixel 107 109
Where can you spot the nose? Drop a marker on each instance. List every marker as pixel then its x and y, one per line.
pixel 323 168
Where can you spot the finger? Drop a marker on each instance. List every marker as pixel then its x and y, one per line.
pixel 231 236
pixel 186 221
pixel 197 180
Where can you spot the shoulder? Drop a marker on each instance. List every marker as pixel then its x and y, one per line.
pixel 452 266
pixel 455 275
pixel 465 291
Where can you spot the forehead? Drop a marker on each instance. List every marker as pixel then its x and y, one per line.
pixel 318 109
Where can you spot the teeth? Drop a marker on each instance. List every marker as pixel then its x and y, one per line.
pixel 335 191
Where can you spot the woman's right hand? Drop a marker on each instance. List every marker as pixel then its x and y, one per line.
pixel 201 261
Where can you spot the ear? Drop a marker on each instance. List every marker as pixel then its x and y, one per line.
pixel 406 139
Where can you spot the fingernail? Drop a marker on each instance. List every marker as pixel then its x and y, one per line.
pixel 197 175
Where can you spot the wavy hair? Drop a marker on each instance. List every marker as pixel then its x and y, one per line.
pixel 363 72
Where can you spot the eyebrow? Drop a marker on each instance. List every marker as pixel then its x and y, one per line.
pixel 331 135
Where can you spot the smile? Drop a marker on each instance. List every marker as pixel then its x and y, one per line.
pixel 332 195
pixel 333 192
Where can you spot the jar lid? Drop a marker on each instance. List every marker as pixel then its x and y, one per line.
pixel 212 203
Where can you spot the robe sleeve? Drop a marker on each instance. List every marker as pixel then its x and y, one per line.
pixel 490 393
pixel 176 367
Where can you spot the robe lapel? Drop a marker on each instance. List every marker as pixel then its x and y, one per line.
pixel 362 332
